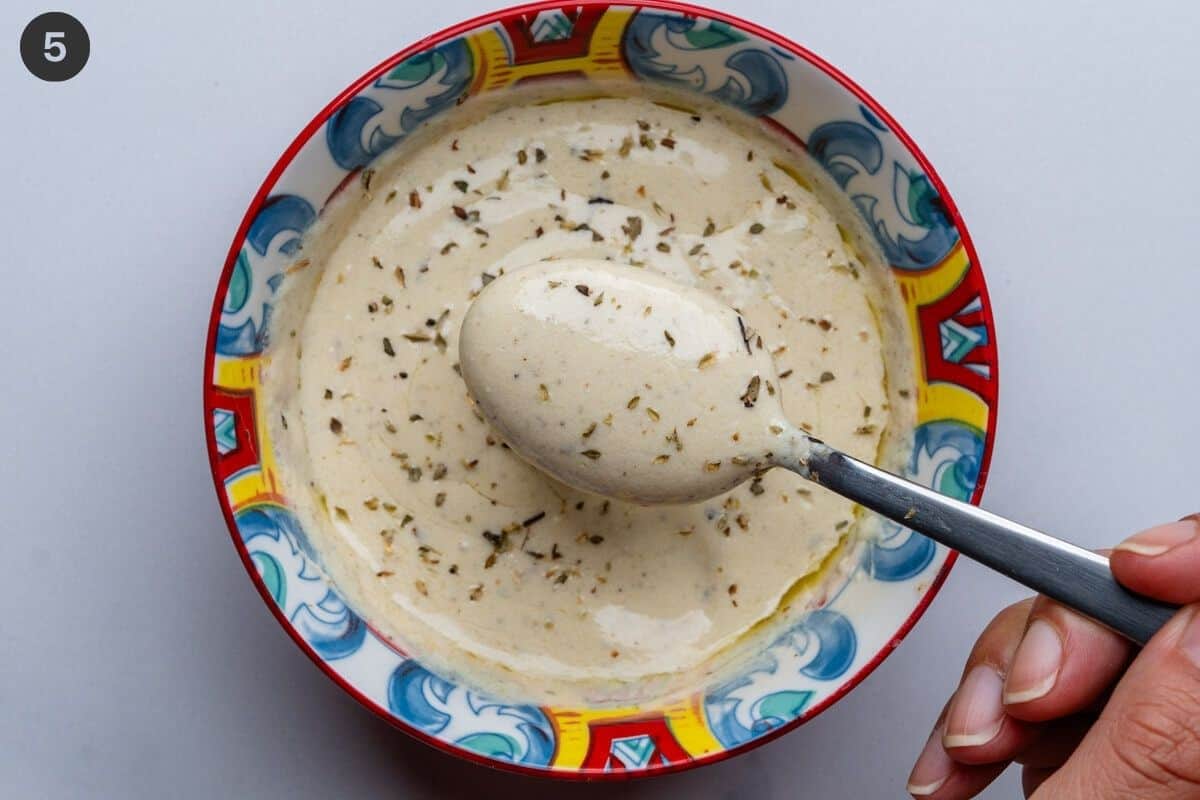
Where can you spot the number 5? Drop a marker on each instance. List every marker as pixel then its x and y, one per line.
pixel 54 49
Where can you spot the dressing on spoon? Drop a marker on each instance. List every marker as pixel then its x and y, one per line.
pixel 622 382
pixel 547 346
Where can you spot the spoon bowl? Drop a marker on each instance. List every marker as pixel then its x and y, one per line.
pixel 621 382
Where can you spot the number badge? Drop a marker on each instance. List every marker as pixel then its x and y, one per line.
pixel 55 46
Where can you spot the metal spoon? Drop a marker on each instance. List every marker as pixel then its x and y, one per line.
pixel 1056 568
pixel 548 347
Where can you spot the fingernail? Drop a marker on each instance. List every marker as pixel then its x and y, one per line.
pixel 1161 538
pixel 976 712
pixel 1035 666
pixel 932 769
pixel 1189 640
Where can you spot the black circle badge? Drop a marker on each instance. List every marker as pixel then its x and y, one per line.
pixel 55 46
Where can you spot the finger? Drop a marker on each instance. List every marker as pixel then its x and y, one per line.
pixel 1033 777
pixel 995 646
pixel 936 776
pixel 1065 664
pixel 977 730
pixel 1146 742
pixel 1162 562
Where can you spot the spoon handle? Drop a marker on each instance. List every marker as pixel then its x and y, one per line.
pixel 1065 572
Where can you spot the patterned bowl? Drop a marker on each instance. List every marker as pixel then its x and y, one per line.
pixel 827 653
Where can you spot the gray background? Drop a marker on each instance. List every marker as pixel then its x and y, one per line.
pixel 136 660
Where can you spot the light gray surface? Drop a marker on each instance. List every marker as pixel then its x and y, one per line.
pixel 136 660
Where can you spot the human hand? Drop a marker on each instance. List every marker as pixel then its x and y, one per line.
pixel 1086 715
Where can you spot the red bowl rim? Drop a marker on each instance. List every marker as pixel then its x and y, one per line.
pixel 363 82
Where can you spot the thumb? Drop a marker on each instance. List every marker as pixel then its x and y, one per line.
pixel 1146 742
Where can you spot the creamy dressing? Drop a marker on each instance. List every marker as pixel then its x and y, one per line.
pixel 467 556
pixel 619 381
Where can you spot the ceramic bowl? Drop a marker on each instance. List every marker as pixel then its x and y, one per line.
pixel 744 65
